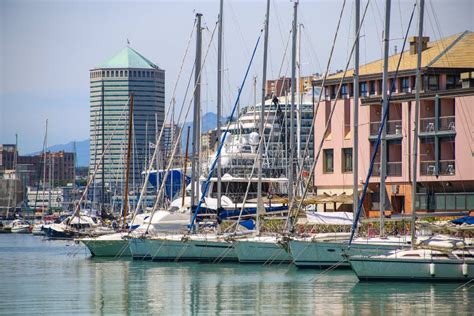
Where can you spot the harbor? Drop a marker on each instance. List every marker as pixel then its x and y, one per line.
pixel 39 275
pixel 341 188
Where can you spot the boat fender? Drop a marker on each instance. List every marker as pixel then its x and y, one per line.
pixel 432 269
pixel 464 269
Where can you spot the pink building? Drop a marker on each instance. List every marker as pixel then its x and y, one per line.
pixel 446 129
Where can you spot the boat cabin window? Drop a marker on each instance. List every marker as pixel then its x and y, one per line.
pixel 465 255
pixel 411 255
pixel 440 255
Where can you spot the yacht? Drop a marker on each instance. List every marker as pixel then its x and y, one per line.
pixel 75 226
pixel 20 226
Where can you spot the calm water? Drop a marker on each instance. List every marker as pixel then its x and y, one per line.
pixel 59 277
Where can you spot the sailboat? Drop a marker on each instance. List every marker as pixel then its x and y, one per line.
pixel 431 260
pixel 269 248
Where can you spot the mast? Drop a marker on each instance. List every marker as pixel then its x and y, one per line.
pixel 45 155
pixel 383 147
pixel 15 162
pixel 50 175
pixel 102 199
pixel 197 105
pixel 291 149
pixel 298 106
pixel 355 147
pixel 415 129
pixel 127 167
pixel 185 166
pixel 260 208
pixel 219 103
pixel 157 161
pixel 255 102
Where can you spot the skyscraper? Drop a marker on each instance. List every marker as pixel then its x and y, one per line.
pixel 111 84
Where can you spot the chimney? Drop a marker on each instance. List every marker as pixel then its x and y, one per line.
pixel 414 44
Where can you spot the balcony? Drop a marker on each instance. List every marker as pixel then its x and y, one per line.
pixel 447 167
pixel 428 168
pixel 394 169
pixel 447 124
pixel 393 127
pixel 427 125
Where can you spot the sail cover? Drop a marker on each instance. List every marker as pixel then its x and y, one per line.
pixel 329 218
pixel 464 220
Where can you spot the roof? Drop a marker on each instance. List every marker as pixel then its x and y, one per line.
pixel 454 51
pixel 128 58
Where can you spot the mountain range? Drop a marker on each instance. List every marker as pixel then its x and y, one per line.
pixel 208 122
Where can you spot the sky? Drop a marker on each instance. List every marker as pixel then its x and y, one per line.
pixel 48 47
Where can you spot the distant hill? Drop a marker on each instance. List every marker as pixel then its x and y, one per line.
pixel 82 151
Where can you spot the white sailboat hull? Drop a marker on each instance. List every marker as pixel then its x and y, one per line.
pixel 404 269
pixel 177 248
pixel 214 250
pixel 266 251
pixel 319 254
pixel 162 249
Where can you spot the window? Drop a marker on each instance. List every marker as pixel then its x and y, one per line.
pixel 453 82
pixel 108 74
pixel 344 90
pixel 121 73
pixel 134 73
pixel 347 118
pixel 112 73
pixel 328 163
pixel 372 87
pixel 363 89
pixel 346 159
pixel 405 84
pixel 152 74
pixel 432 82
pixel 327 92
pixel 139 74
pixel 116 73
pixel 326 118
pixel 126 73
pixel 333 92
pixel 103 73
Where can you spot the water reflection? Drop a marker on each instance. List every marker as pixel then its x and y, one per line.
pixel 60 277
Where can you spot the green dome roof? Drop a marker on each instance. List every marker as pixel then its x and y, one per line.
pixel 128 58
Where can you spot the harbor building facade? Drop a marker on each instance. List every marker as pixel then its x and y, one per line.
pixel 446 127
pixel 111 84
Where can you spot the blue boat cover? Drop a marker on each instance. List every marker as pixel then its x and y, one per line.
pixel 173 183
pixel 466 219
pixel 249 224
